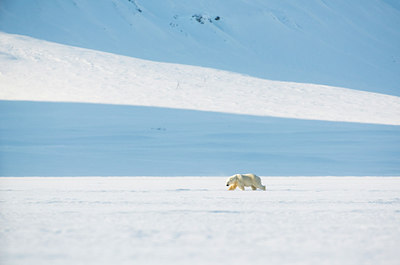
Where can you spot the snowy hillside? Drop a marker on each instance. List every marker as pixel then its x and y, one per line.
pixel 37 70
pixel 165 119
pixel 147 131
pixel 352 44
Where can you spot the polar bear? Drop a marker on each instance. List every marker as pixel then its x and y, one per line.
pixel 244 180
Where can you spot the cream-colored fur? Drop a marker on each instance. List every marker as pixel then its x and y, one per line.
pixel 244 180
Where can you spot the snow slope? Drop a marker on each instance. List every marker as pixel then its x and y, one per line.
pixel 172 119
pixel 31 69
pixel 310 221
pixel 353 44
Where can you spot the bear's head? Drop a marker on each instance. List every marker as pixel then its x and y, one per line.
pixel 232 180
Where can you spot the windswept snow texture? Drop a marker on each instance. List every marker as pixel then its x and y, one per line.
pixel 75 139
pixel 304 221
pixel 353 44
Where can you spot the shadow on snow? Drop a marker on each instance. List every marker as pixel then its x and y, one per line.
pixel 77 139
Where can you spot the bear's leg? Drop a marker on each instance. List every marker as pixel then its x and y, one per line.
pixel 241 187
pixel 232 187
pixel 253 187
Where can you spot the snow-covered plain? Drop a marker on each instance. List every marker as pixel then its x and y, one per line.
pixel 188 220
pixel 76 139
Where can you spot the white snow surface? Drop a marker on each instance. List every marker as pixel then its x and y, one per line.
pixel 195 220
pixel 37 70
pixel 353 44
pixel 172 119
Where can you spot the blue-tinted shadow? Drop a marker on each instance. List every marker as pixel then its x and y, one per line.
pixel 74 139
